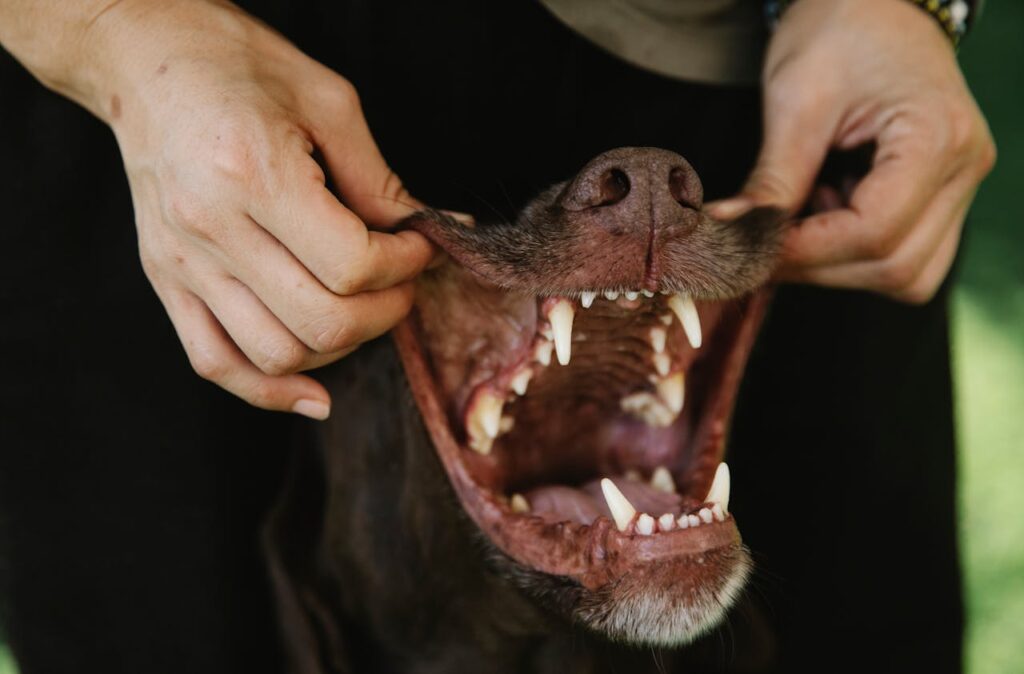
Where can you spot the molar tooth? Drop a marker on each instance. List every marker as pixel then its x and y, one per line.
pixel 647 293
pixel 519 504
pixel 506 423
pixel 705 514
pixel 561 316
pixel 658 337
pixel 631 294
pixel 622 510
pixel 611 295
pixel 717 511
pixel 484 422
pixel 542 352
pixel 587 298
pixel 662 363
pixel 686 310
pixel 719 491
pixel 672 390
pixel 693 520
pixel 683 522
pixel 666 522
pixel 645 525
pixel 662 480
pixel 521 379
pixel 647 407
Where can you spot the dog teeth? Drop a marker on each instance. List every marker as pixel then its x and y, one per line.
pixel 662 363
pixel 521 379
pixel 666 319
pixel 587 298
pixel 648 408
pixel 484 421
pixel 717 511
pixel 719 492
pixel 683 522
pixel 622 510
pixel 519 504
pixel 672 390
pixel 686 310
pixel 561 316
pixel 631 295
pixel 645 524
pixel 611 295
pixel 658 336
pixel 666 522
pixel 542 352
pixel 705 515
pixel 662 480
pixel 647 293
pixel 693 520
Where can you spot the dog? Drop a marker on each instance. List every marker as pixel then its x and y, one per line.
pixel 529 475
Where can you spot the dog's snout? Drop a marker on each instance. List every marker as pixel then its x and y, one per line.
pixel 633 184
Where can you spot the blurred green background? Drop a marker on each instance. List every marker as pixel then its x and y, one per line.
pixel 988 329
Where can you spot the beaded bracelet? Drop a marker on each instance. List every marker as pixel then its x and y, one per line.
pixel 955 16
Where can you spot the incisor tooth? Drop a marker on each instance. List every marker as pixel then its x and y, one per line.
pixel 686 310
pixel 645 524
pixel 587 298
pixel 611 295
pixel 658 337
pixel 542 352
pixel 662 480
pixel 666 522
pixel 484 421
pixel 622 510
pixel 705 514
pixel 719 492
pixel 561 316
pixel 521 379
pixel 647 293
pixel 519 504
pixel 631 295
pixel 672 390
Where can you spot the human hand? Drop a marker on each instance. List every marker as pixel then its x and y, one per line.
pixel 263 272
pixel 838 74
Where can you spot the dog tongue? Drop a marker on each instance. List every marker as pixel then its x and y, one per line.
pixel 557 503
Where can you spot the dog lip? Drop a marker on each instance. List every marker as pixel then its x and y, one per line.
pixel 593 554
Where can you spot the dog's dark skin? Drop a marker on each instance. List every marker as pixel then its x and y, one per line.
pixel 378 564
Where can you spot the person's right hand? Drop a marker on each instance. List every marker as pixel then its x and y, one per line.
pixel 263 272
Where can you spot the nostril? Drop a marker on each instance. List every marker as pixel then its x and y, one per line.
pixel 685 187
pixel 614 186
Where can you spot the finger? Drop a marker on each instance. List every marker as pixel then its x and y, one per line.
pixel 930 279
pixel 883 208
pixel 261 336
pixel 367 184
pixel 798 134
pixel 323 321
pixel 215 358
pixel 330 240
pixel 896 274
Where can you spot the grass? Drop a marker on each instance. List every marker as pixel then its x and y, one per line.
pixel 988 329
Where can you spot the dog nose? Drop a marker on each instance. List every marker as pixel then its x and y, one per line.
pixel 633 184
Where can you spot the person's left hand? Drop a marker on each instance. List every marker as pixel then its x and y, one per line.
pixel 842 73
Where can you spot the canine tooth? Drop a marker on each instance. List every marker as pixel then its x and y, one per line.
pixel 647 293
pixel 666 522
pixel 693 520
pixel 611 295
pixel 506 424
pixel 561 316
pixel 631 294
pixel 645 525
pixel 542 352
pixel 705 514
pixel 622 510
pixel 647 407
pixel 662 363
pixel 587 298
pixel 686 310
pixel 521 379
pixel 666 319
pixel 672 390
pixel 662 480
pixel 658 337
pixel 719 492
pixel 717 511
pixel 484 422
pixel 683 522
pixel 519 504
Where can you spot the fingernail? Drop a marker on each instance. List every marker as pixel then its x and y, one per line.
pixel 728 209
pixel 314 409
pixel 465 218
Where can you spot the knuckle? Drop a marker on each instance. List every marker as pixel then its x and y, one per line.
pixel 207 365
pixel 917 294
pixel 879 243
pixel 262 394
pixel 332 335
pixel 281 357
pixel 343 94
pixel 989 155
pixel 233 156
pixel 894 276
pixel 186 211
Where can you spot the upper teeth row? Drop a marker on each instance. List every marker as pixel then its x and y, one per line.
pixel 625 515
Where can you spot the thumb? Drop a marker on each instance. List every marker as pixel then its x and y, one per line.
pixel 366 183
pixel 796 140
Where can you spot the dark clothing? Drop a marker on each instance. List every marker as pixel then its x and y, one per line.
pixel 131 492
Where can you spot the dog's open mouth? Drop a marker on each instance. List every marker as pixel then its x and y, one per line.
pixel 580 408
